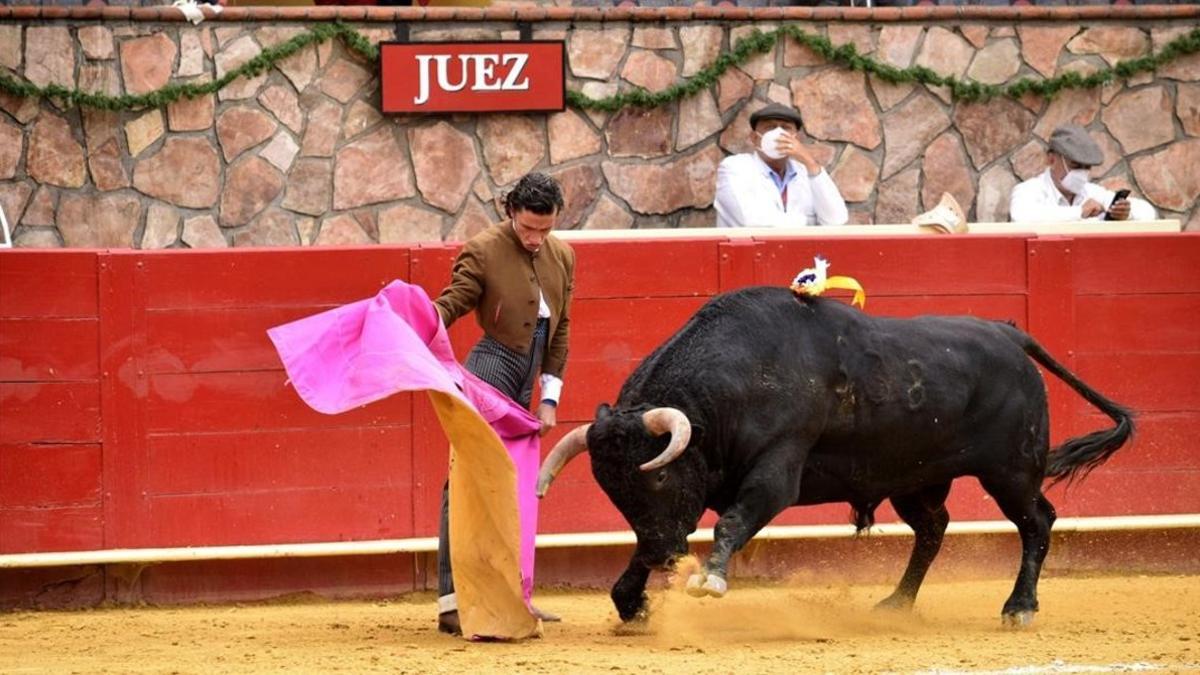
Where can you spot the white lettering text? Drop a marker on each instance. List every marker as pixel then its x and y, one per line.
pixel 480 68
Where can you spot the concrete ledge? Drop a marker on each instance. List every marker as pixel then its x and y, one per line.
pixel 846 560
pixel 1033 229
pixel 564 540
pixel 635 14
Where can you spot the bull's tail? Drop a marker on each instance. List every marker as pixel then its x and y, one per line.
pixel 1076 457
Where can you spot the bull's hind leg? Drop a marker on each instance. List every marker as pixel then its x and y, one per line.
pixel 1025 505
pixel 925 512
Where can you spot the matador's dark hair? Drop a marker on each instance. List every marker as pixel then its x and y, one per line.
pixel 535 192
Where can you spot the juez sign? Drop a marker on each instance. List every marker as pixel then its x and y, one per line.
pixel 443 77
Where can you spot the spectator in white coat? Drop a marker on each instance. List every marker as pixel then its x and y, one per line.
pixel 1063 192
pixel 780 183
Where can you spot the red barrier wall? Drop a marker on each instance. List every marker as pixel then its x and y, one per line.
pixel 142 404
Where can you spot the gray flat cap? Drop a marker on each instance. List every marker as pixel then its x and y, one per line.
pixel 1074 143
pixel 776 111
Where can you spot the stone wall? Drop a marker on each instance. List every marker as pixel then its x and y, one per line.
pixel 301 155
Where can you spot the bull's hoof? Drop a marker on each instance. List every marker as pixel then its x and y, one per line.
pixel 632 628
pixel 637 623
pixel 895 603
pixel 1018 620
pixel 699 585
pixel 715 586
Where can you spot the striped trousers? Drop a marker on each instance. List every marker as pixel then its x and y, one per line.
pixel 512 373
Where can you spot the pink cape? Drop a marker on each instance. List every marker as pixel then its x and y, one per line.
pixel 395 342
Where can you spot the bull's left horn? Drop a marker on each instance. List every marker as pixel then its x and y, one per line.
pixel 571 445
pixel 661 420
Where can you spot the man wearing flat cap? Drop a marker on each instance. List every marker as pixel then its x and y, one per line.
pixel 1063 192
pixel 779 184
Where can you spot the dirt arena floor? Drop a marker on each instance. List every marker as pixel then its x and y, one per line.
pixel 1086 625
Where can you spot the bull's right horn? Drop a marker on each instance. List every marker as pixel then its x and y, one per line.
pixel 660 421
pixel 572 444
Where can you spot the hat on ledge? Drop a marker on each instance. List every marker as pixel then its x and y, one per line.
pixel 945 218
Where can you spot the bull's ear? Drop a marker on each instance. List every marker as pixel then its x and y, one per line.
pixel 603 410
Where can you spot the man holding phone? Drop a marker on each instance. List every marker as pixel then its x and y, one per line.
pixel 1064 192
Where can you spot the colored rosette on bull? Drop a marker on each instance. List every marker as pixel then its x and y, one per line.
pixel 815 281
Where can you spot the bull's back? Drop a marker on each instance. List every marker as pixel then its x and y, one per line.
pixel 932 398
pixel 764 339
pixel 718 351
pixel 879 394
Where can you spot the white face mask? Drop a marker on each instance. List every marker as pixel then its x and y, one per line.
pixel 1075 180
pixel 768 143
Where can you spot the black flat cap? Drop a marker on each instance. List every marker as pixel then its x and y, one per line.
pixel 1074 143
pixel 776 111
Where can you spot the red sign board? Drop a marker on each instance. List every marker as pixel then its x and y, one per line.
pixel 442 77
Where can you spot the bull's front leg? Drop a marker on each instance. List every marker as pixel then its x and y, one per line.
pixel 629 593
pixel 763 496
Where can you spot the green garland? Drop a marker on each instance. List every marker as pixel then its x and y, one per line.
pixel 847 55
pixel 173 92
pixel 757 42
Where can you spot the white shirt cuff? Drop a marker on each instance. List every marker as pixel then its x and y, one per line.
pixel 551 388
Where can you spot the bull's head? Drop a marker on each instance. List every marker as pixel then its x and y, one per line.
pixel 639 461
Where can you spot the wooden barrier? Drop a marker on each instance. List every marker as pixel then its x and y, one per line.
pixel 141 404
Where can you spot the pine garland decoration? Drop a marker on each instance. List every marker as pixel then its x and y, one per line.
pixel 173 92
pixel 757 42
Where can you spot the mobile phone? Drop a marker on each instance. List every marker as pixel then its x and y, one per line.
pixel 1120 194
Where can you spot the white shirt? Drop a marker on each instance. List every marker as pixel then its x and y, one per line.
pixel 1038 200
pixel 551 385
pixel 747 196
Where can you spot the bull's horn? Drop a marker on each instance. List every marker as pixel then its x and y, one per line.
pixel 661 420
pixel 572 444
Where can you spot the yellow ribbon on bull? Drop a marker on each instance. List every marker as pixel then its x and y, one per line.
pixel 815 281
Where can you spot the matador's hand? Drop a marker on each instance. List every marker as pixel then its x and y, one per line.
pixel 548 415
pixel 797 150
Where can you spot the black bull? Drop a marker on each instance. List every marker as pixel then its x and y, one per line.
pixel 764 400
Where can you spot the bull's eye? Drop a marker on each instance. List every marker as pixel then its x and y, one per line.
pixel 662 477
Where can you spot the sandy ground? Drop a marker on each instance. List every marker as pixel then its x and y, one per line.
pixel 1097 624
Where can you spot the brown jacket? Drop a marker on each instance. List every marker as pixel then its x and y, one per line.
pixel 498 278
